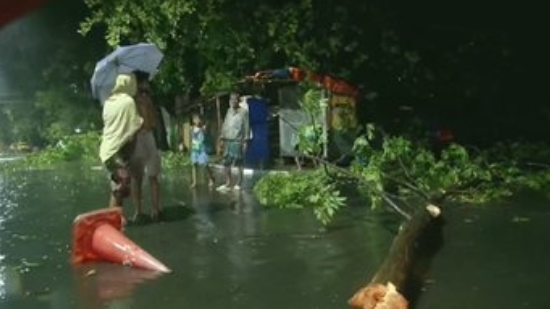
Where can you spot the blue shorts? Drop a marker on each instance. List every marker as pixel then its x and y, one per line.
pixel 199 157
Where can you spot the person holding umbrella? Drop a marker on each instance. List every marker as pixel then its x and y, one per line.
pixel 145 160
pixel 121 122
pixel 114 84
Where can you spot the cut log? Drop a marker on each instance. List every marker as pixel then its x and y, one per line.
pixel 398 280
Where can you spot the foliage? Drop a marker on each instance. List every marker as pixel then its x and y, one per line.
pixel 522 153
pixel 209 44
pixel 172 160
pixel 530 162
pixel 56 113
pixel 74 148
pixel 310 137
pixel 17 124
pixel 65 111
pixel 80 148
pixel 47 67
pixel 300 190
pixel 205 44
pixel 413 170
pixel 312 101
pixel 394 171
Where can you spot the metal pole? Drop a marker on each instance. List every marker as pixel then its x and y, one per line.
pixel 324 106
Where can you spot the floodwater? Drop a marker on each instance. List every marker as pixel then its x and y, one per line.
pixel 226 251
pixel 497 256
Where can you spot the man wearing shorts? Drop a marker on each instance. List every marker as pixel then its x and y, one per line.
pixel 121 122
pixel 234 138
pixel 145 159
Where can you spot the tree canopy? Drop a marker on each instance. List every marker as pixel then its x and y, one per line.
pixel 210 44
pixel 398 55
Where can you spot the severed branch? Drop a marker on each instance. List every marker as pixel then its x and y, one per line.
pixel 385 196
pixel 392 285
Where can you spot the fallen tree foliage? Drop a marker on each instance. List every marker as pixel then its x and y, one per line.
pixel 398 175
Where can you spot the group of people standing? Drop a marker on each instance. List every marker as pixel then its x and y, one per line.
pixel 129 152
pixel 233 141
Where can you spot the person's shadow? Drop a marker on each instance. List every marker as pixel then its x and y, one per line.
pixel 175 211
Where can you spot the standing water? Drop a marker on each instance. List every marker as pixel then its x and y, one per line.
pixel 226 251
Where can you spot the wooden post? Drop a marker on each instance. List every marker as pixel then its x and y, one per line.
pixel 219 115
pixel 178 102
pixel 324 115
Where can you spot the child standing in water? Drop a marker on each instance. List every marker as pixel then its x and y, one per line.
pixel 198 150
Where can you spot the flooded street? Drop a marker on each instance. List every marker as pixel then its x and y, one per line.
pixel 493 257
pixel 226 251
pixel 223 249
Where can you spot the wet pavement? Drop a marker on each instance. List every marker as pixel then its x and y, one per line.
pixel 224 249
pixel 227 251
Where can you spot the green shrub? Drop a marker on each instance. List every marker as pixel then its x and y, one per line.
pixel 308 189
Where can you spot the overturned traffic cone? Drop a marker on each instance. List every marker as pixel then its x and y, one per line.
pixel 97 237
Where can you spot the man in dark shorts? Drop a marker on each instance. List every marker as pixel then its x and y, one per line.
pixel 121 122
pixel 145 160
pixel 234 138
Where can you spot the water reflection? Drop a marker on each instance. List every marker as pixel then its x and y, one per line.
pixel 204 208
pixel 241 254
pixel 10 280
pixel 111 284
pixel 11 284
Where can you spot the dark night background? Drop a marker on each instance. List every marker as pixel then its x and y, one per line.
pixel 516 105
pixel 511 101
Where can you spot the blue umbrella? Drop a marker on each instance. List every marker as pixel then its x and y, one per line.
pixel 143 57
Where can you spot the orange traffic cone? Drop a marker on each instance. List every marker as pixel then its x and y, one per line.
pixel 97 236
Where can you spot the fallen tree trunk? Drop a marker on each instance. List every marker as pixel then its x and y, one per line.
pixel 398 281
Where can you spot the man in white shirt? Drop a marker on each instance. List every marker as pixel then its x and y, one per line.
pixel 234 138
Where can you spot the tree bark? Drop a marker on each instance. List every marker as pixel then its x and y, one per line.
pixel 398 281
